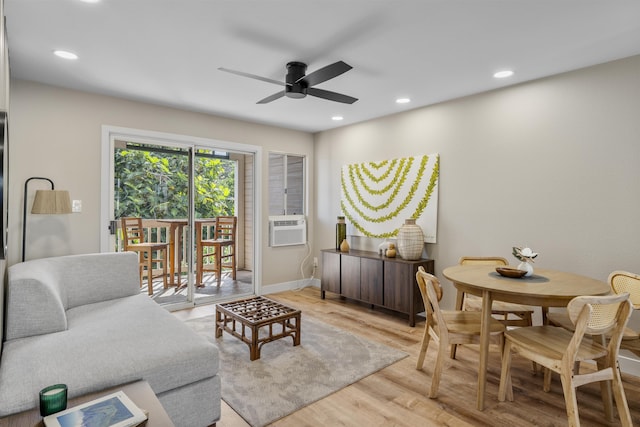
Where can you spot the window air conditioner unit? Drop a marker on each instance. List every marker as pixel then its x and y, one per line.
pixel 287 230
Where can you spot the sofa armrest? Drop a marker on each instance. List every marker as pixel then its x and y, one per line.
pixel 34 304
pixel 40 291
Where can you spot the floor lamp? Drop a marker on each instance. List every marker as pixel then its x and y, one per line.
pixel 49 202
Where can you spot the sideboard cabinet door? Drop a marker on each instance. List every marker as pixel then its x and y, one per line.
pixel 330 272
pixel 401 292
pixel 350 276
pixel 398 279
pixel 371 281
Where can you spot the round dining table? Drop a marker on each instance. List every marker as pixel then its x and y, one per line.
pixel 545 288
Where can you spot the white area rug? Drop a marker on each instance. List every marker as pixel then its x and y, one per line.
pixel 287 378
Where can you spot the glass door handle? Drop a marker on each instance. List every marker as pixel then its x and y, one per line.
pixel 113 227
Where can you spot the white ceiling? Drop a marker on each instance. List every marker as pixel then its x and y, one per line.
pixel 168 52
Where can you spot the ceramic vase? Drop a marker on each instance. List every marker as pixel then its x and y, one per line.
pixel 410 240
pixel 391 252
pixel 344 246
pixel 526 266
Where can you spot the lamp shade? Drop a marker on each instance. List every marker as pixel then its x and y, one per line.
pixel 51 202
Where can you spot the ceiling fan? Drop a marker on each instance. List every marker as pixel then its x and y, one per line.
pixel 298 85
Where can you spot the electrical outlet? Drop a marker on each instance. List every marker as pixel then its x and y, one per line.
pixel 315 261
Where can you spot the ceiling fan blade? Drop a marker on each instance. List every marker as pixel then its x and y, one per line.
pixel 331 96
pixel 325 73
pixel 270 98
pixel 252 76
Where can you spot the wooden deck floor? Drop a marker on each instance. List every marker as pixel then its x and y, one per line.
pixel 397 395
pixel 228 288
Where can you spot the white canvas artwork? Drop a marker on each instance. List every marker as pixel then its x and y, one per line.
pixel 377 197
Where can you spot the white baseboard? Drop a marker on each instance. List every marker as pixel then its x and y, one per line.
pixel 295 285
pixel 629 363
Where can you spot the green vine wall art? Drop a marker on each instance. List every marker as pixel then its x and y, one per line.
pixel 377 197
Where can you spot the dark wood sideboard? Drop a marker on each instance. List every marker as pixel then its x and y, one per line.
pixel 374 279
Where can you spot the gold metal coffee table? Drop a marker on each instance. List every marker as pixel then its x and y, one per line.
pixel 257 321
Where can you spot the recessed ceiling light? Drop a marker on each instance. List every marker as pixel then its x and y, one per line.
pixel 403 101
pixel 503 74
pixel 90 1
pixel 337 118
pixel 65 54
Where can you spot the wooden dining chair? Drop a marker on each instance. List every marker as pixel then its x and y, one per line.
pixel 149 253
pixel 620 282
pixel 510 314
pixel 448 327
pixel 624 281
pixel 223 249
pixel 558 349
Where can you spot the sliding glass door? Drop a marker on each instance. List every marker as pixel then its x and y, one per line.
pixel 152 182
pixel 179 191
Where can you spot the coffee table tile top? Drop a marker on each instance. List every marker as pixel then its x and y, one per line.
pixel 252 320
pixel 257 309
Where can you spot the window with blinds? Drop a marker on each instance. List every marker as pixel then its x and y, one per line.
pixel 286 184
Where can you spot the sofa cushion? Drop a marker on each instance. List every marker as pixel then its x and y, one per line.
pixel 106 344
pixel 92 278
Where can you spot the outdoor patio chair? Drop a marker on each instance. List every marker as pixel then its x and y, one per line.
pixel 223 249
pixel 149 253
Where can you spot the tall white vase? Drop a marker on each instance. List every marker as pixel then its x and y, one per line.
pixel 526 266
pixel 410 240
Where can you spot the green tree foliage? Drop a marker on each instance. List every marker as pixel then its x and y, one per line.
pixel 152 184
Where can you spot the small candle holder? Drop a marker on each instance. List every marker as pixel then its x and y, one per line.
pixel 53 399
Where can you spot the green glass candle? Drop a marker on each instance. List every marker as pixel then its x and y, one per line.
pixel 53 399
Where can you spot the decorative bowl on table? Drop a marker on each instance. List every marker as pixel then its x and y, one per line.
pixel 510 272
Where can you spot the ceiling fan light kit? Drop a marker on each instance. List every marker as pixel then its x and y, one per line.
pixel 298 85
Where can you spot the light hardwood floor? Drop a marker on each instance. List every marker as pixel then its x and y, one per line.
pixel 397 395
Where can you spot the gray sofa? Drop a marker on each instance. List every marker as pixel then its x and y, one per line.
pixel 81 320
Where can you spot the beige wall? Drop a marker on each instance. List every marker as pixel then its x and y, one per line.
pixel 56 133
pixel 553 164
